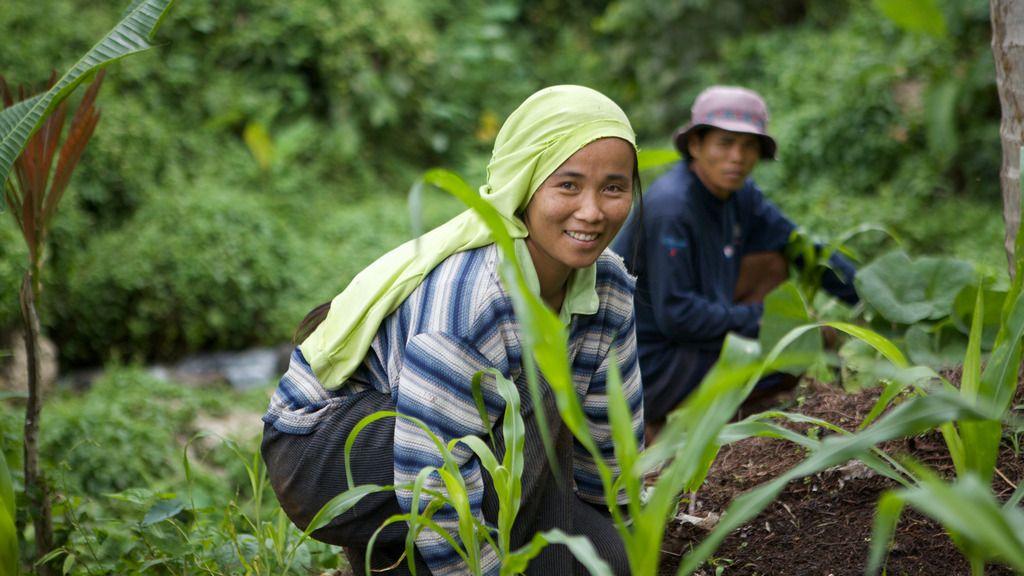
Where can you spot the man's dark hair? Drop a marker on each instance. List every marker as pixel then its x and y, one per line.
pixel 700 132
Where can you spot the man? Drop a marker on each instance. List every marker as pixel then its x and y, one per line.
pixel 707 248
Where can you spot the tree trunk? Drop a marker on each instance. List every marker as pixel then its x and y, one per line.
pixel 36 488
pixel 1008 50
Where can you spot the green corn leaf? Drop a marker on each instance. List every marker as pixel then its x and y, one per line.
pixel 514 433
pixel 442 449
pixel 414 513
pixel 755 425
pixel 425 521
pixel 8 531
pixel 1016 498
pixel 913 417
pixel 455 486
pixel 875 340
pixel 131 35
pixel 981 528
pixel 971 375
pixel 621 420
pixel 342 503
pixel 484 453
pixel 751 428
pixel 887 516
pixel 476 385
pixel 999 380
pixel 891 353
pixel 995 389
pixel 970 381
pixel 940 104
pixel 513 428
pixel 579 546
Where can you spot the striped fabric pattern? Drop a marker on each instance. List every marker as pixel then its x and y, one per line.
pixel 457 322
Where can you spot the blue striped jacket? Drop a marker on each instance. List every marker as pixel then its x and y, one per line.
pixel 457 322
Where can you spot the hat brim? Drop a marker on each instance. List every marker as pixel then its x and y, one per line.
pixel 768 145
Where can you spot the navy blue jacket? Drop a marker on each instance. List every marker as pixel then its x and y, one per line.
pixel 687 262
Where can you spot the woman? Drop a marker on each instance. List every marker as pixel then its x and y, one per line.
pixel 410 331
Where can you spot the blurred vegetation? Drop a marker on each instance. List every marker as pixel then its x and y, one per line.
pixel 132 502
pixel 247 169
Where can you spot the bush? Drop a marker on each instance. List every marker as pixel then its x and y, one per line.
pixel 13 262
pixel 193 269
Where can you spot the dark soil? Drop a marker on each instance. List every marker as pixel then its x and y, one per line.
pixel 821 526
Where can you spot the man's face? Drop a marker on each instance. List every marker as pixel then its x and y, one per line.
pixel 723 159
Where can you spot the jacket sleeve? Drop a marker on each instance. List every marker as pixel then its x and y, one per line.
pixel 681 313
pixel 770 231
pixel 595 408
pixel 838 280
pixel 769 227
pixel 435 387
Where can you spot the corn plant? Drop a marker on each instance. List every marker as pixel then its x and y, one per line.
pixel 472 533
pixel 8 532
pixel 812 255
pixel 982 529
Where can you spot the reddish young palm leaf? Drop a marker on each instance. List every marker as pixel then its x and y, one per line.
pixel 31 196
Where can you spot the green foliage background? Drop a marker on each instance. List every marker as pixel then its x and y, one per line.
pixel 248 167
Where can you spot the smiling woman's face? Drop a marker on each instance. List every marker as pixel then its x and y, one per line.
pixel 579 208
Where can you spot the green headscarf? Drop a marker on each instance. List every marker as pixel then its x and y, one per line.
pixel 546 129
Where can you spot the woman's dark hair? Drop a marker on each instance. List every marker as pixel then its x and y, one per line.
pixel 637 216
pixel 310 322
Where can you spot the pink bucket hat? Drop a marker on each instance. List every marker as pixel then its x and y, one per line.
pixel 730 108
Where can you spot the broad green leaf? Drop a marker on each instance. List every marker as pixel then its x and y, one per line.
pixel 131 35
pixel 785 309
pixel 922 16
pixel 913 417
pixel 163 510
pixel 908 291
pixel 938 346
pixel 849 234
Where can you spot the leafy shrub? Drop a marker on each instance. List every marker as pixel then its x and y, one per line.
pixel 13 261
pixel 123 433
pixel 194 268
